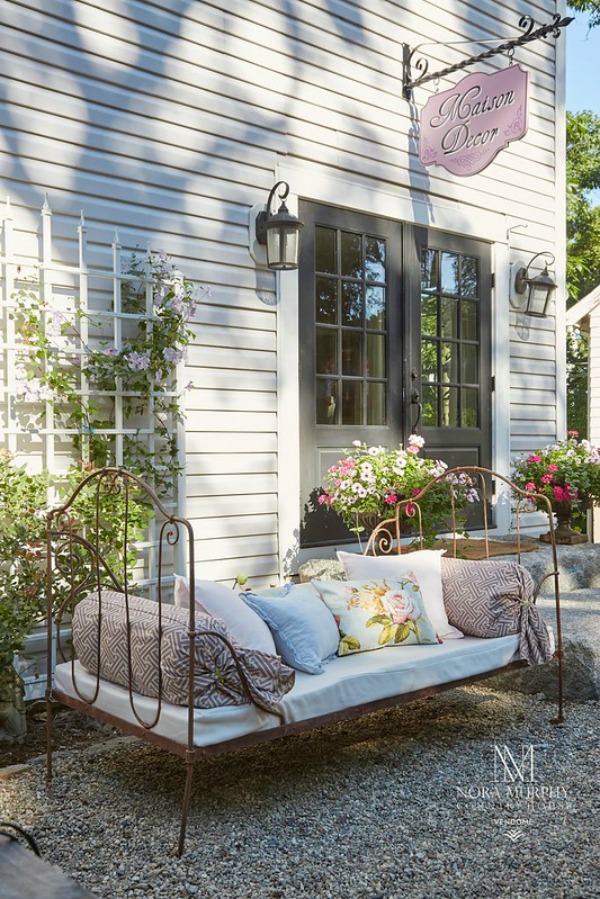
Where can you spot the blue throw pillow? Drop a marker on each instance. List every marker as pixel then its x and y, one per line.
pixel 303 628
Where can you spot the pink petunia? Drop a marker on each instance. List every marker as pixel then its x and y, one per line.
pixel 546 479
pixel 530 486
pixel 559 494
pixel 552 467
pixel 534 458
pixel 391 499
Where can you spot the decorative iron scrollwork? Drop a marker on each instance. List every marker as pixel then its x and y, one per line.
pixel 530 33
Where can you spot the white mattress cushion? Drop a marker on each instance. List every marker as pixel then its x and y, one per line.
pixel 348 681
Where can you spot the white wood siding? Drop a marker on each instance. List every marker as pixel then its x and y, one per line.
pixel 171 120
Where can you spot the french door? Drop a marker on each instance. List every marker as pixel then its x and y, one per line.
pixel 394 338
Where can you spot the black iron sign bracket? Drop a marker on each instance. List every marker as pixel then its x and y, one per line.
pixel 530 33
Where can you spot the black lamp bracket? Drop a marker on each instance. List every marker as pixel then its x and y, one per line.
pixel 265 215
pixel 531 33
pixel 522 275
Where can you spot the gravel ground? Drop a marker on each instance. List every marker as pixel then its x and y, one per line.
pixel 404 804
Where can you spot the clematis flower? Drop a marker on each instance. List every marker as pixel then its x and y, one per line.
pixel 138 361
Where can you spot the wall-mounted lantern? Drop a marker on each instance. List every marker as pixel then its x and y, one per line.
pixel 279 232
pixel 539 289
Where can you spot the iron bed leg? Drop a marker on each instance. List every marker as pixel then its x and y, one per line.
pixel 187 793
pixel 49 741
pixel 560 716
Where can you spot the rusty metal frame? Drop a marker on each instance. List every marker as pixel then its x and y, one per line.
pixel 64 549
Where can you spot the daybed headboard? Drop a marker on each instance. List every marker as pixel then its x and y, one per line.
pixel 408 521
pixel 98 541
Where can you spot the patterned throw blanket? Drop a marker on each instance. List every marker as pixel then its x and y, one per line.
pixel 493 598
pixel 224 674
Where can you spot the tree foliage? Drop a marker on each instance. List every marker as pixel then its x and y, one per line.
pixel 583 217
pixel 591 6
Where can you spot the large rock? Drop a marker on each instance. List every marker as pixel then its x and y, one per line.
pixel 580 617
pixel 321 569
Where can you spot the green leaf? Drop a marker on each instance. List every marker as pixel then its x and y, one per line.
pixel 402 633
pixel 386 634
pixel 378 619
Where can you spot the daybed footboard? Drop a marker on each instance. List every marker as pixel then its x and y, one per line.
pixel 489 597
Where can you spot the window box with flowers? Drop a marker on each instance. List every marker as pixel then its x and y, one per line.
pixel 367 484
pixel 568 474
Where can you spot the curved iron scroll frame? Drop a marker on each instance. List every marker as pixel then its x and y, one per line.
pixel 410 58
pixel 386 538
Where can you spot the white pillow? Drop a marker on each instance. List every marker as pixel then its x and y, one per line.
pixel 245 626
pixel 427 568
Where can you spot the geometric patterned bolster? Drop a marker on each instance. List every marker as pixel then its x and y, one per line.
pixel 225 674
pixel 492 598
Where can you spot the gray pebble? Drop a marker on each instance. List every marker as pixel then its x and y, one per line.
pixel 413 803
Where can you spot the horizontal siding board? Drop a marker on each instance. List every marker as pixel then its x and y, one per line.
pixel 231 421
pixel 223 379
pixel 537 429
pixel 238 338
pixel 222 357
pixel 230 442
pixel 536 352
pixel 226 485
pixel 226 506
pixel 530 412
pixel 534 383
pixel 255 319
pixel 238 548
pixel 233 526
pixel 262 568
pixel 230 401
pixel 535 366
pixel 524 444
pixel 242 463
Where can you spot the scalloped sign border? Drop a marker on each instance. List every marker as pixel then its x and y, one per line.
pixel 463 129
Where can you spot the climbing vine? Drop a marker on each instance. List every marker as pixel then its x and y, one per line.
pixel 81 379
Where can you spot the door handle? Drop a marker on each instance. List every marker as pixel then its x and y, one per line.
pixel 415 400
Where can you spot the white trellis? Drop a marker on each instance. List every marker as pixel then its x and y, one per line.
pixel 32 432
pixel 66 288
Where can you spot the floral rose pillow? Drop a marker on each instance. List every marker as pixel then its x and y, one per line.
pixel 377 613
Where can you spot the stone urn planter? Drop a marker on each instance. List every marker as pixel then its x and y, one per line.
pixel 13 723
pixel 564 533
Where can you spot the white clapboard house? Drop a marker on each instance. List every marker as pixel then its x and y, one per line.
pixel 170 123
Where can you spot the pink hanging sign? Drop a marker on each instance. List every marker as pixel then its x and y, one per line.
pixel 463 129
